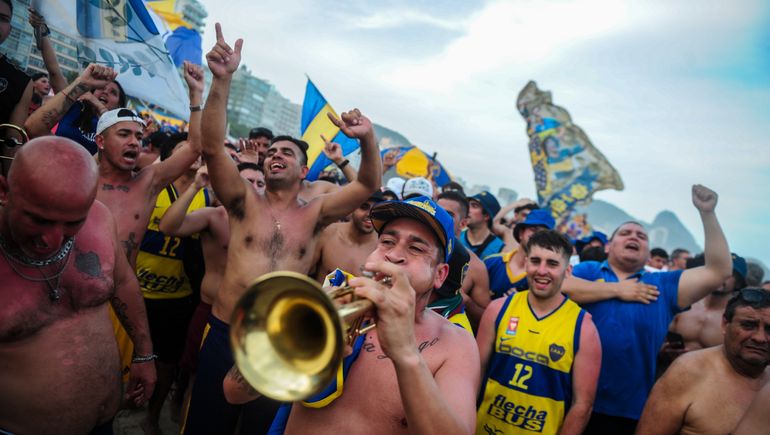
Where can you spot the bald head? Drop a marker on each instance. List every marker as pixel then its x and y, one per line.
pixel 56 166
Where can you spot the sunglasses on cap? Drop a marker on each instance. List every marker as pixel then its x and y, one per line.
pixel 752 296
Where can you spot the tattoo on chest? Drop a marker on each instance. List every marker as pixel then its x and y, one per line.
pixel 119 187
pixel 130 244
pixel 88 263
pixel 370 347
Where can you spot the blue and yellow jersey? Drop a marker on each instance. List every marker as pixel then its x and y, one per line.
pixel 500 277
pixel 528 383
pixel 159 263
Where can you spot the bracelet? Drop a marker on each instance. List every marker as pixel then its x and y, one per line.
pixel 343 164
pixel 144 358
pixel 195 108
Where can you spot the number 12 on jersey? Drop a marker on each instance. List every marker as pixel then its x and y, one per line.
pixel 521 375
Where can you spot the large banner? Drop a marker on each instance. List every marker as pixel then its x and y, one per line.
pixel 568 168
pixel 315 123
pixel 122 35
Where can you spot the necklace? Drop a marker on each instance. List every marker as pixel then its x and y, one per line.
pixel 27 261
pixel 276 221
pixel 54 289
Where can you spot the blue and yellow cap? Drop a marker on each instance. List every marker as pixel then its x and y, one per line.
pixel 422 209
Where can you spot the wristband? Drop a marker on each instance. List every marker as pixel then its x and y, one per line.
pixel 195 108
pixel 343 164
pixel 144 358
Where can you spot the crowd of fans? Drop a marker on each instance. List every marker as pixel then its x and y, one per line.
pixel 127 247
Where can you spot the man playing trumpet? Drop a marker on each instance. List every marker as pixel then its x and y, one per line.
pixel 416 371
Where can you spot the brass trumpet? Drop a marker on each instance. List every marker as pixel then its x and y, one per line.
pixel 287 334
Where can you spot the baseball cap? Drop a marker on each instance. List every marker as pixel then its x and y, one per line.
pixel 536 218
pixel 422 209
pixel 739 265
pixel 488 202
pixel 112 117
pixel 417 186
pixel 396 185
pixel 596 235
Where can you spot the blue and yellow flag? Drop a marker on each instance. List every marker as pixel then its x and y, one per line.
pixel 119 20
pixel 412 162
pixel 568 168
pixel 315 123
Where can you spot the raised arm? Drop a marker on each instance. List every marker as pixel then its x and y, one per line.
pixel 222 61
pixel 585 292
pixel 176 222
pixel 333 151
pixel 128 305
pixel 698 282
pixel 340 203
pixel 165 172
pixel 42 120
pixel 585 376
pixel 55 76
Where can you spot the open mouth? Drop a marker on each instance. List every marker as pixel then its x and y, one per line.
pixel 633 246
pixel 130 155
pixel 541 283
pixel 276 166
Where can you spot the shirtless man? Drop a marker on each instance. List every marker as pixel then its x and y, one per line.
pixel 708 391
pixel 61 264
pixel 131 195
pixel 312 189
pixel 701 326
pixel 425 388
pixel 268 232
pixel 345 245
pixel 756 420
pixel 475 285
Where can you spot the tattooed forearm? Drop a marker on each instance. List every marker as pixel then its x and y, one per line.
pixel 370 347
pixel 121 312
pixel 76 91
pixel 235 375
pixel 129 245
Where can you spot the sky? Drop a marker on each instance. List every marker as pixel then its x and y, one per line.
pixel 672 92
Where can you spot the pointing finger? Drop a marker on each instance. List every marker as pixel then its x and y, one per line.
pixel 218 28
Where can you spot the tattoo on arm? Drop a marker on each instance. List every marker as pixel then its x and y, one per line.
pixel 242 383
pixel 130 244
pixel 121 309
pixel 51 117
pixel 370 347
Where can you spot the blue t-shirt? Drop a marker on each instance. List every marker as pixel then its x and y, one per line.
pixel 631 334
pixel 500 278
pixel 68 129
pixel 492 245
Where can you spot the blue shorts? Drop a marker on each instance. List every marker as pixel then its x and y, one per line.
pixel 207 411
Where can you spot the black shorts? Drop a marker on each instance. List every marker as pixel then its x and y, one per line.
pixel 168 319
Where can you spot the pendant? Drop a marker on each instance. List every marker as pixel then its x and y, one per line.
pixel 277 224
pixel 54 295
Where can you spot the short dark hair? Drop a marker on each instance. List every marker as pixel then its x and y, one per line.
pixel 529 206
pixel 678 252
pixel 38 75
pixel 157 139
pixel 593 253
pixel 248 165
pixel 625 223
pixel 659 252
pixel 458 197
pixel 301 144
pixel 551 240
pixel 167 147
pixel 260 132
pixel 753 297
pixel 10 5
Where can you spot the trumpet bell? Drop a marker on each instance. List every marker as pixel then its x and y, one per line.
pixel 286 336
